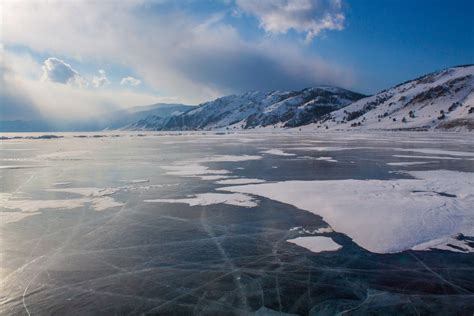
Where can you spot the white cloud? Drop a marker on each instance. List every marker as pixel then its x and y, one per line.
pixel 130 81
pixel 23 95
pixel 100 80
pixel 56 70
pixel 182 55
pixel 305 16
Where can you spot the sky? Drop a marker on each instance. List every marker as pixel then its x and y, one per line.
pixel 63 59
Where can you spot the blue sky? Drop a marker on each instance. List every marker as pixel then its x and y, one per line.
pixel 85 57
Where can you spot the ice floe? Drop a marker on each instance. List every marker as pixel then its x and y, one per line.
pixel 316 244
pixel 236 199
pixel 383 216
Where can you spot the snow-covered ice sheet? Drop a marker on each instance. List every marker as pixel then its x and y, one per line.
pixel 383 216
pixel 316 243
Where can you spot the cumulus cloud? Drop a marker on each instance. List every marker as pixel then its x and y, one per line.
pixel 100 80
pixel 305 16
pixel 56 70
pixel 130 81
pixel 194 57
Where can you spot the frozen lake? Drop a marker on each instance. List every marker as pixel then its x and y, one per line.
pixel 237 224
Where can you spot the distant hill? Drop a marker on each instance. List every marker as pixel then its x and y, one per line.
pixel 104 121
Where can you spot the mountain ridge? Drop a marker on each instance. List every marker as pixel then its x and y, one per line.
pixel 441 100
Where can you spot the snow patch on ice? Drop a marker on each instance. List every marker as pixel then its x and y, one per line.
pixel 240 181
pixel 383 216
pixel 64 155
pixel 236 199
pixel 316 244
pixel 136 181
pixel 329 159
pixel 277 152
pixel 12 217
pixel 409 163
pixel 432 151
pixel 19 166
pixel 58 184
pixel 426 157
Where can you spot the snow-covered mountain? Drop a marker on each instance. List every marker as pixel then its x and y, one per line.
pixel 441 100
pixel 256 109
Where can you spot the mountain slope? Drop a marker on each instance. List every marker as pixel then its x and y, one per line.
pixel 256 109
pixel 441 100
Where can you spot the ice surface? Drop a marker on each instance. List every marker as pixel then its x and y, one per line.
pixel 226 254
pixel 316 243
pixel 383 216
